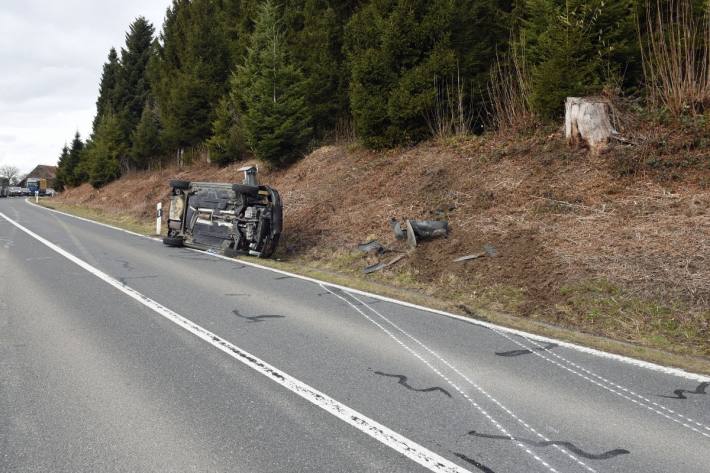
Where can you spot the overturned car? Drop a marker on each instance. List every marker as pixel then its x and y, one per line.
pixel 235 219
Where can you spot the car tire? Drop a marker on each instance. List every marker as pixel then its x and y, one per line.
pixel 182 185
pixel 173 241
pixel 245 189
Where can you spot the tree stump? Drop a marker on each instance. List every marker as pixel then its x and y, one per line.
pixel 588 123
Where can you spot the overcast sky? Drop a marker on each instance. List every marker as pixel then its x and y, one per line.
pixel 51 56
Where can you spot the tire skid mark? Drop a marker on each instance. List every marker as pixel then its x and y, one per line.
pixel 512 353
pixel 402 380
pixel 620 391
pixel 568 445
pixel 257 318
pixel 473 462
pixel 680 393
pixel 472 401
pixel 482 391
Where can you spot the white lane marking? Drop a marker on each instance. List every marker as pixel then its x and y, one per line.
pixel 379 432
pixel 614 391
pixel 454 385
pixel 622 388
pixel 475 385
pixel 592 351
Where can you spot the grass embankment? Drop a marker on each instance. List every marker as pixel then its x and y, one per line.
pixel 587 250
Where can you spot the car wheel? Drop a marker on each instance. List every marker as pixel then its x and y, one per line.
pixel 245 189
pixel 176 184
pixel 173 241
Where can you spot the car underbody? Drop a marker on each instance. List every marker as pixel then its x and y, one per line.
pixel 233 219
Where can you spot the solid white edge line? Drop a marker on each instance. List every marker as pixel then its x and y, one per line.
pixel 592 351
pixel 379 432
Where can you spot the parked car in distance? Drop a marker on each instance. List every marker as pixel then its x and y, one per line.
pixel 50 192
pixel 15 191
pixel 25 191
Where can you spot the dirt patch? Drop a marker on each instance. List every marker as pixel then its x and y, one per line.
pixel 570 230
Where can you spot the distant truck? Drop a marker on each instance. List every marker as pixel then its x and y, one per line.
pixel 4 186
pixel 36 184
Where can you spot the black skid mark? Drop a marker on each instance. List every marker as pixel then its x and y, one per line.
pixel 236 294
pixel 568 445
pixel 473 462
pixel 403 381
pixel 279 278
pixel 547 347
pixel 124 280
pixel 126 265
pixel 257 318
pixel 680 393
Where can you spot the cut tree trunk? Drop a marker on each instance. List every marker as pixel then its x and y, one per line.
pixel 587 122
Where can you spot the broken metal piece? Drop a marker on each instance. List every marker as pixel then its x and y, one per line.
pixel 469 257
pixel 489 250
pixel 397 229
pixel 372 246
pixel 374 267
pixel 380 266
pixel 416 230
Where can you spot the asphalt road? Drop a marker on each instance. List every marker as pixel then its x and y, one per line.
pixel 105 366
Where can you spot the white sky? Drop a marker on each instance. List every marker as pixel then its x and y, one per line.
pixel 51 56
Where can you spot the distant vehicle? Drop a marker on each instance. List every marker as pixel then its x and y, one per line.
pixel 235 219
pixel 15 191
pixel 4 187
pixel 25 191
pixel 36 184
pixel 50 192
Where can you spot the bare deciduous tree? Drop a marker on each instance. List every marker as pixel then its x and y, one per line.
pixel 10 172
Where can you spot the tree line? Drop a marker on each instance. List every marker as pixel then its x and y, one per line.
pixel 236 78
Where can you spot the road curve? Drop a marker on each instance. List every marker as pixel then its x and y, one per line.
pixel 105 366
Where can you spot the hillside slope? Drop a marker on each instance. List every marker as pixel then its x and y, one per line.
pixel 580 242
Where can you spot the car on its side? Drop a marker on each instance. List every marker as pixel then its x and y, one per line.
pixel 243 218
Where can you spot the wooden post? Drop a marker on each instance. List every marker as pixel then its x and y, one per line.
pixel 587 122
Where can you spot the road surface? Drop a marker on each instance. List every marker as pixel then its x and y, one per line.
pixel 119 354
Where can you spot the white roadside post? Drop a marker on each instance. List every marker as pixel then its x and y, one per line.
pixel 36 197
pixel 159 218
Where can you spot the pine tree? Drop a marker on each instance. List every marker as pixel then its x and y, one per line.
pixel 70 162
pixel 270 92
pixel 227 142
pixel 107 87
pixel 314 34
pixel 193 70
pixel 106 152
pixel 61 179
pixel 145 138
pixel 576 47
pixel 132 88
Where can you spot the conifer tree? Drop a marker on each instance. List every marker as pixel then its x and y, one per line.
pixel 145 138
pixel 576 47
pixel 107 151
pixel 270 91
pixel 226 144
pixel 107 87
pixel 132 88
pixel 61 179
pixel 70 176
pixel 193 70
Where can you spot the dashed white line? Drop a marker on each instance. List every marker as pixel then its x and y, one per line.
pixel 478 407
